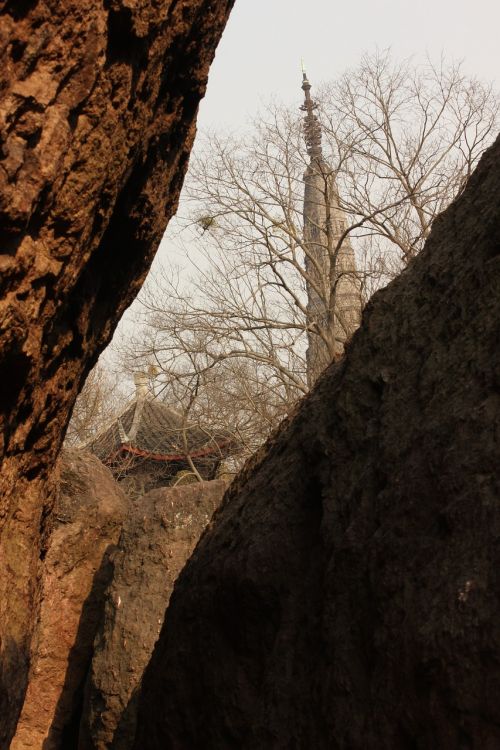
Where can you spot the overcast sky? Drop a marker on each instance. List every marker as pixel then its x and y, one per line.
pixel 259 56
pixel 264 41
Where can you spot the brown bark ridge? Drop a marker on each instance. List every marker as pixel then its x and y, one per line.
pixel 159 535
pixel 98 100
pixel 86 523
pixel 348 593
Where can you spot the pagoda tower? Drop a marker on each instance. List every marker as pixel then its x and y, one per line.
pixel 332 280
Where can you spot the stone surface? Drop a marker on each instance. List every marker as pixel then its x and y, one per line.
pixel 347 594
pixel 85 526
pixel 98 100
pixel 159 535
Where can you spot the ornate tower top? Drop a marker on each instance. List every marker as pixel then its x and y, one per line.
pixel 312 128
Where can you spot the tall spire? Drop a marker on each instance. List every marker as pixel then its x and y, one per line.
pixel 332 282
pixel 312 128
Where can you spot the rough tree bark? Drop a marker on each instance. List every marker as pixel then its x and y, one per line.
pixel 348 592
pixel 98 100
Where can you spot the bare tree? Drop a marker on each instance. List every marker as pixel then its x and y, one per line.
pixel 236 396
pixel 97 404
pixel 406 139
pixel 398 144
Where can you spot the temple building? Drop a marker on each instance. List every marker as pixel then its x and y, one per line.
pixel 333 282
pixel 153 445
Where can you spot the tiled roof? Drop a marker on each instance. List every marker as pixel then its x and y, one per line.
pixel 150 427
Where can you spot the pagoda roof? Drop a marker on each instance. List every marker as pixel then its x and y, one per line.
pixel 152 429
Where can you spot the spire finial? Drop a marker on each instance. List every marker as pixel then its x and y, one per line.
pixel 312 128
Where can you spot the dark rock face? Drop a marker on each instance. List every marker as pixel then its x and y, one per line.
pixel 347 594
pixel 159 535
pixel 98 100
pixel 85 526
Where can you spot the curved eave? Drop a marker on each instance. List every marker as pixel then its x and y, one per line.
pixel 212 450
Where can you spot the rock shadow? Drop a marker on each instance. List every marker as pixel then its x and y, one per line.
pixel 64 731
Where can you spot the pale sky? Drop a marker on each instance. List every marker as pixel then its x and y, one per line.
pixel 261 49
pixel 259 56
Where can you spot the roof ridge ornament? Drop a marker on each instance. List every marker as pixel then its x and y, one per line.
pixel 121 431
pixel 141 382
